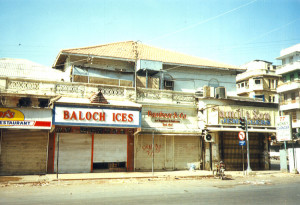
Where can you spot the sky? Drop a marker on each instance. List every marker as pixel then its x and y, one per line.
pixel 229 31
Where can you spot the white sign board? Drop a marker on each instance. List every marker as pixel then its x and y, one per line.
pixel 25 118
pixel 93 116
pixel 284 128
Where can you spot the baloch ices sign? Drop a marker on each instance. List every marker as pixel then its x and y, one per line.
pixel 90 116
pixel 254 117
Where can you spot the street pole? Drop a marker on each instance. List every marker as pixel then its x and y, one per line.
pixel 153 153
pixel 57 156
pixel 243 160
pixel 248 149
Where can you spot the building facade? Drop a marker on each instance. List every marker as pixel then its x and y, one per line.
pixel 289 87
pixel 128 106
pixel 259 81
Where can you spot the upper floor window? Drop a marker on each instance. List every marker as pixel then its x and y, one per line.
pixel 284 78
pixel 293 96
pixel 292 77
pixel 257 82
pixel 291 59
pixel 283 61
pixel 169 85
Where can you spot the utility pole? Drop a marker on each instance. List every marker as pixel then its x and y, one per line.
pixel 248 149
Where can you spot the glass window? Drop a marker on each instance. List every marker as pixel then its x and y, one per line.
pixel 283 61
pixel 293 97
pixel 292 77
pixel 284 78
pixel 257 82
pixel 291 59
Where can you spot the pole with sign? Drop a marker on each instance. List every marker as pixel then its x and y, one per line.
pixel 242 143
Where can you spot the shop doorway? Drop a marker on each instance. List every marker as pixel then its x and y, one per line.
pixel 110 153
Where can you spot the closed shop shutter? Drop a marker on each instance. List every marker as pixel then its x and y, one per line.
pixel 186 151
pixel 231 151
pixel 170 152
pixel 110 148
pixel 23 152
pixel 143 154
pixel 75 151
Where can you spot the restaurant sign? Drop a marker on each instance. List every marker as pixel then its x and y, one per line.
pixel 25 118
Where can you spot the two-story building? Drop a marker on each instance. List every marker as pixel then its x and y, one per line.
pixel 164 85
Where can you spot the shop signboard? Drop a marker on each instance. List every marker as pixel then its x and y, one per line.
pixel 96 117
pixel 25 118
pixel 284 128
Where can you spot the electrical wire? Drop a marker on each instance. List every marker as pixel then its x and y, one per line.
pixel 202 22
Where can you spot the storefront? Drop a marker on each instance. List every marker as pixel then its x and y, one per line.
pixel 169 138
pixel 93 138
pixel 224 124
pixel 24 140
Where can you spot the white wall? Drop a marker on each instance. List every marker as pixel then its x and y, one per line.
pixel 189 80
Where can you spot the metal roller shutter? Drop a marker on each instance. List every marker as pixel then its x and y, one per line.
pixel 231 151
pixel 186 151
pixel 143 154
pixel 75 151
pixel 110 148
pixel 23 152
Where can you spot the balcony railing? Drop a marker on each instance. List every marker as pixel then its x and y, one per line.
pixel 253 73
pixel 288 68
pixel 288 86
pixel 18 86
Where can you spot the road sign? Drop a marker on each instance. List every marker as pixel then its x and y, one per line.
pixel 242 143
pixel 242 135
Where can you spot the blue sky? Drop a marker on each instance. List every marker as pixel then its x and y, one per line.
pixel 229 31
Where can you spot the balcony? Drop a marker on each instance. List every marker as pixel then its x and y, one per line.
pixel 49 89
pixel 285 87
pixel 252 73
pixel 290 105
pixel 242 90
pixel 288 68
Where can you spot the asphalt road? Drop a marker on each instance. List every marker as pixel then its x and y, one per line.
pixel 205 191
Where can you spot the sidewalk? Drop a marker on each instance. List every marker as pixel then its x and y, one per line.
pixel 166 175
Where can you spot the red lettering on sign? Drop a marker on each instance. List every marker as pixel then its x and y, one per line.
pixel 94 116
pixel 80 116
pixel 66 114
pixel 73 116
pixel 88 115
pixel 130 117
pixel 102 116
pixel 8 114
pixel 124 117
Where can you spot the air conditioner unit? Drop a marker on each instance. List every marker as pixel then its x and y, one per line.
pixel 212 92
pixel 206 91
pixel 221 92
pixel 209 137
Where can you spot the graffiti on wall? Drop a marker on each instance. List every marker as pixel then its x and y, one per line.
pixel 148 149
